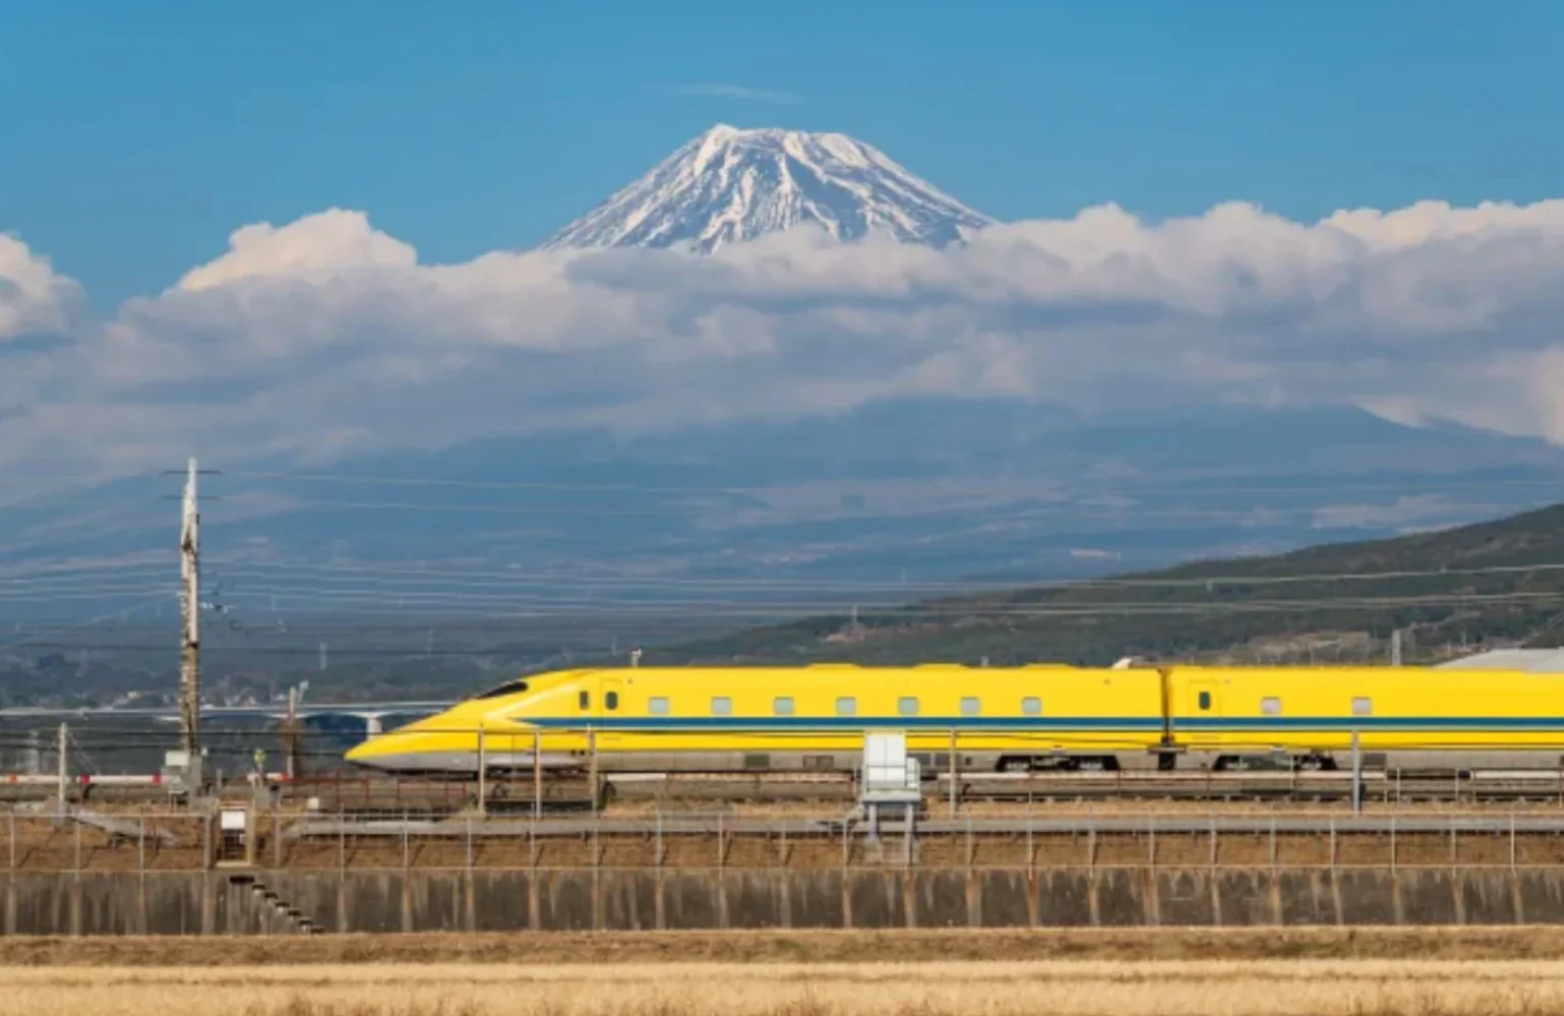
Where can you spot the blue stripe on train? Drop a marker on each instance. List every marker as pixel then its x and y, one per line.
pixel 1338 723
pixel 848 724
pixel 851 724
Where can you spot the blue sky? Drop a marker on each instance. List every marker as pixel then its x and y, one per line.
pixel 136 139
pixel 137 136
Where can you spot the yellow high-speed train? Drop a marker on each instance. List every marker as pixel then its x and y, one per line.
pixel 1029 717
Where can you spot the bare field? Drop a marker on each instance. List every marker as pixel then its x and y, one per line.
pixel 1079 988
pixel 1539 944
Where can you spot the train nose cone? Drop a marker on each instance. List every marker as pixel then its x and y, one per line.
pixel 365 753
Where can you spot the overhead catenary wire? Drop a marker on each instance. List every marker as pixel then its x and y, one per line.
pixel 1048 498
pixel 74 483
pixel 415 574
pixel 88 593
pixel 349 603
pixel 555 603
pixel 394 575
pixel 454 613
pixel 408 581
pixel 683 617
pixel 447 594
pixel 1066 499
pixel 1101 516
pixel 17 641
pixel 1193 486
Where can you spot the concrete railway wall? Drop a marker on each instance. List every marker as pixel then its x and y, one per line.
pixel 178 874
pixel 218 902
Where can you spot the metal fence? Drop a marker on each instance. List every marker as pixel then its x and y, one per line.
pixel 159 841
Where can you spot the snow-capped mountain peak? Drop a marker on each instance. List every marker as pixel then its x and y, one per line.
pixel 730 185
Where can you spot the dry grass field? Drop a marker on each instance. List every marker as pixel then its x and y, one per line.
pixel 1027 988
pixel 1540 944
pixel 1142 972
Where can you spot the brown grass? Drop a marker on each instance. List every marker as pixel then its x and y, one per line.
pixel 1537 944
pixel 1078 988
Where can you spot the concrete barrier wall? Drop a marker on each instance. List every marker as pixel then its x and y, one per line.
pixel 181 903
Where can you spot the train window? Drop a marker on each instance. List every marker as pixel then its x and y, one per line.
pixel 970 706
pixel 508 688
pixel 847 706
pixel 1031 706
pixel 1271 706
pixel 1362 707
pixel 907 705
pixel 611 700
pixel 584 700
pixel 1205 700
pixel 782 705
pixel 657 705
pixel 721 705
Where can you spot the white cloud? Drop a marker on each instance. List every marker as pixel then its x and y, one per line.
pixel 316 248
pixel 33 297
pixel 325 334
pixel 41 312
pixel 721 91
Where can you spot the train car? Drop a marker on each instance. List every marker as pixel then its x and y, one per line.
pixel 1410 719
pixel 790 718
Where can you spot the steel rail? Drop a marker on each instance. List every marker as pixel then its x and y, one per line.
pixel 1110 824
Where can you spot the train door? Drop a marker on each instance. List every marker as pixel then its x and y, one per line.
pixel 1201 714
pixel 1205 701
pixel 610 704
pixel 611 711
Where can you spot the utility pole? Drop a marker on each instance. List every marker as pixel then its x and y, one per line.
pixel 32 755
pixel 290 735
pixel 63 770
pixel 190 614
pixel 1357 773
pixel 1395 648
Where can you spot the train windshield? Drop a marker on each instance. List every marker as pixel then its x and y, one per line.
pixel 508 688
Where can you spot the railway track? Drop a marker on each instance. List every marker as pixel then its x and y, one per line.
pixel 569 792
pixel 1514 785
pixel 998 789
pixel 1073 825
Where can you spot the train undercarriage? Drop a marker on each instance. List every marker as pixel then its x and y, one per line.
pixel 1417 763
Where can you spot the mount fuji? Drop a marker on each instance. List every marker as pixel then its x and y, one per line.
pixel 729 185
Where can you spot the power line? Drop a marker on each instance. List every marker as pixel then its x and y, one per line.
pixel 505 509
pixel 1193 486
pixel 88 584
pixel 417 574
pixel 89 622
pixel 75 482
pixel 82 574
pixel 353 605
pixel 1011 510
pixel 101 593
pixel 686 617
pixel 208 650
pixel 453 608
